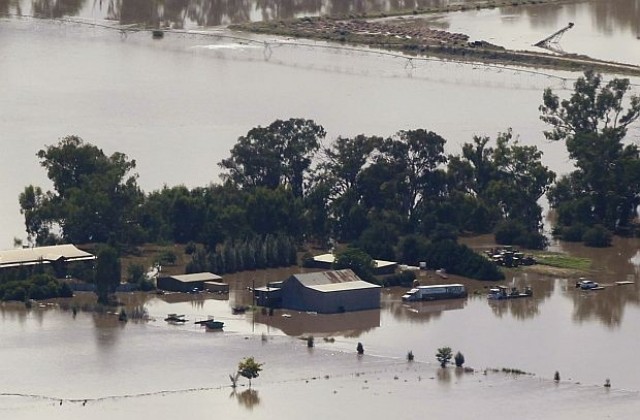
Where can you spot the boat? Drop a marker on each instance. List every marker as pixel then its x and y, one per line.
pixel 212 325
pixel 435 292
pixel 238 309
pixel 585 284
pixel 175 318
pixel 503 292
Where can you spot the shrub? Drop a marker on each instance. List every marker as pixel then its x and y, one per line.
pixel 573 233
pixel 167 257
pixel 135 273
pixel 597 237
pixel 404 278
pixel 190 248
pixel 459 359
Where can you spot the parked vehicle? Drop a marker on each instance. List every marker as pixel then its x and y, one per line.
pixel 503 292
pixel 585 284
pixel 435 292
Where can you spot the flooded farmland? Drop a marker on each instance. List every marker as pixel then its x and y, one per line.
pixel 178 105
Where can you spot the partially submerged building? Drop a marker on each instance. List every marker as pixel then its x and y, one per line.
pixel 323 292
pixel 58 256
pixel 194 281
pixel 380 267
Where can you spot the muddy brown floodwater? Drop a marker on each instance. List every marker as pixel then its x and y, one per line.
pixel 178 105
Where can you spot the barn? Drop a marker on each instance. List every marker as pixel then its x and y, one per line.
pixel 326 292
pixel 189 282
pixel 380 267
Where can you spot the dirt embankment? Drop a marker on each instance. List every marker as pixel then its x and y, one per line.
pixel 413 37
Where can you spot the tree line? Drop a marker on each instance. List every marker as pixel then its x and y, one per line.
pixel 374 193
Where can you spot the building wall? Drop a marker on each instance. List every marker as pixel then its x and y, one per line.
pixel 172 285
pixel 298 297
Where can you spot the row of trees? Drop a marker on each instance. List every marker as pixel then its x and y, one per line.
pixel 369 191
pixel 232 256
pixel 365 189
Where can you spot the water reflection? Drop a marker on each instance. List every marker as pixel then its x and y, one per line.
pixel 352 324
pixel 607 15
pixel 525 308
pixel 422 312
pixel 56 8
pixel 248 398
pixel 107 330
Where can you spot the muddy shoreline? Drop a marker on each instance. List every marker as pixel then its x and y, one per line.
pixel 403 32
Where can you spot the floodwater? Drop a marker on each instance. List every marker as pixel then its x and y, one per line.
pixel 177 106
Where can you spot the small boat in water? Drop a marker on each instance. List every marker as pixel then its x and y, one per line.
pixel 212 325
pixel 175 318
pixel 503 292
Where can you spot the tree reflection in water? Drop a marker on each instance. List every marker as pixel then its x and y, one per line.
pixel 248 398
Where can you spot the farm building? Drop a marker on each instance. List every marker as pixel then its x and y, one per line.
pixel 194 281
pixel 322 292
pixel 325 261
pixel 56 255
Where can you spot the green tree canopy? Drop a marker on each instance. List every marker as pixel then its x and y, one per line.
pixel 593 123
pixel 107 275
pixel 95 197
pixel 279 154
pixel 249 368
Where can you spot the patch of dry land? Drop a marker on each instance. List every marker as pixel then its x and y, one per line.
pixel 407 34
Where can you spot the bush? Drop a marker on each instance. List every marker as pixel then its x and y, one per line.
pixel 404 279
pixel 459 359
pixel 597 237
pixel 136 273
pixel 461 260
pixel 573 233
pixel 167 257
pixel 190 248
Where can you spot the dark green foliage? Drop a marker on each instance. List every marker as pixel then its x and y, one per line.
pixel 190 248
pixel 107 272
pixel 95 198
pixel 279 154
pixel 166 257
pixel 573 233
pixel 249 368
pixel 459 359
pixel 597 236
pixel 360 348
pixel 605 187
pixel 357 260
pixel 444 356
pixel 37 287
pixel 511 232
pixel 404 279
pixel 411 249
pixel 135 273
pixel 256 253
pixel 461 260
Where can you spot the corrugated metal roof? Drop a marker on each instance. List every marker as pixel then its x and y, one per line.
pixel 204 276
pixel 330 258
pixel 44 254
pixel 327 281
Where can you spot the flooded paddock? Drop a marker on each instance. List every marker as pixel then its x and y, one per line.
pixel 180 103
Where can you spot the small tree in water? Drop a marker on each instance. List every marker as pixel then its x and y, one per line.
pixel 360 348
pixel 249 369
pixel 444 356
pixel 459 359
